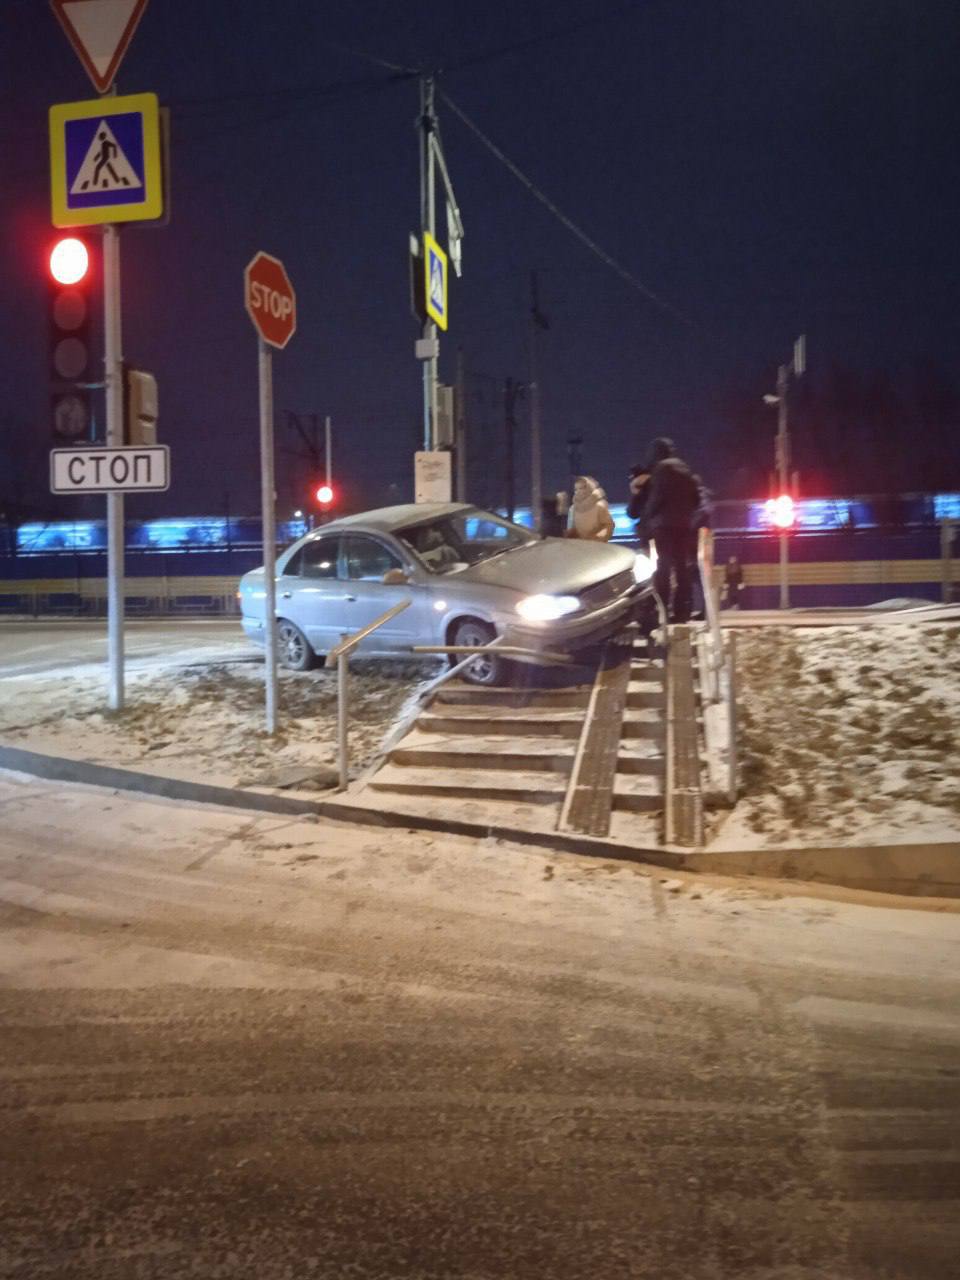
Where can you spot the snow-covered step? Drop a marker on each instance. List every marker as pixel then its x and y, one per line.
pixel 528 786
pixel 637 793
pixel 464 695
pixel 555 722
pixel 487 752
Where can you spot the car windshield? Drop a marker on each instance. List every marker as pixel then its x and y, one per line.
pixel 455 542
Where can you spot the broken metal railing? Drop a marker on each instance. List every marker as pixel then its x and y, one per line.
pixel 342 652
pixel 711 612
pixel 718 665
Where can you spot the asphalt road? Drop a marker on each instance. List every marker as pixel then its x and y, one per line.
pixel 33 647
pixel 237 1046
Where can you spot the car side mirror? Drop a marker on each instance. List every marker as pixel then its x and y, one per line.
pixel 395 578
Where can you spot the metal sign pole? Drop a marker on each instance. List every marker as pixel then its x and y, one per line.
pixel 113 368
pixel 268 524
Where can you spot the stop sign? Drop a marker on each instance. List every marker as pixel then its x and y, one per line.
pixel 269 298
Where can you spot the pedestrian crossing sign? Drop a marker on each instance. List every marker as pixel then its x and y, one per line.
pixel 105 161
pixel 435 266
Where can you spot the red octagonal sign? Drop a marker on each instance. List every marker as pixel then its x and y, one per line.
pixel 270 300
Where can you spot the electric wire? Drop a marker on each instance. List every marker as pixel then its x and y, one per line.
pixel 566 221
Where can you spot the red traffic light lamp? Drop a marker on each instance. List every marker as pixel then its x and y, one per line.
pixel 325 495
pixel 782 512
pixel 69 261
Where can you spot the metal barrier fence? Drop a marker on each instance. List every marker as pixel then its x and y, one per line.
pixel 145 597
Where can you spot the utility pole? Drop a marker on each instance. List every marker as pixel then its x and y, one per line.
pixel 428 222
pixel 537 321
pixel 432 161
pixel 511 391
pixel 460 426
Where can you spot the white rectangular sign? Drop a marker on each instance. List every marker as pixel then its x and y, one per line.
pixel 432 482
pixel 98 470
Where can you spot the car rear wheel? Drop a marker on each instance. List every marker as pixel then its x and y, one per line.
pixel 486 668
pixel 293 647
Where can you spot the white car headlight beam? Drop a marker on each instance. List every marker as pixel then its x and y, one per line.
pixel 644 565
pixel 547 608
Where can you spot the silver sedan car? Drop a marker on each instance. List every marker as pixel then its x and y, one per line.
pixel 469 576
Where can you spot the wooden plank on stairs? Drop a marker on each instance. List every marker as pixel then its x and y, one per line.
pixel 590 792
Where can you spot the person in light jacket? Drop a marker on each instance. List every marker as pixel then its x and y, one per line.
pixel 589 517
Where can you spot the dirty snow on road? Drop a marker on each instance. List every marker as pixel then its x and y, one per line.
pixel 848 735
pixel 247 1046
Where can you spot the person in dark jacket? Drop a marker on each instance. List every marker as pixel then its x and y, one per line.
pixel 672 511
pixel 639 478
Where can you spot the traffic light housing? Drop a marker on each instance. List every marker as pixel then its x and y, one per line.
pixel 70 314
pixel 140 407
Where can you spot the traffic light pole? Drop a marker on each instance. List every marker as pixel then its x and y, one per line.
pixel 783 478
pixel 269 526
pixel 113 369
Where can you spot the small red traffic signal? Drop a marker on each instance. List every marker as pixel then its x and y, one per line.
pixel 782 512
pixel 324 495
pixel 69 260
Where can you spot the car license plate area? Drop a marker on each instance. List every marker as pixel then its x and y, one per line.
pixel 604 593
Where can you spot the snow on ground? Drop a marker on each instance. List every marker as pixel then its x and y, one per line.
pixel 847 736
pixel 205 720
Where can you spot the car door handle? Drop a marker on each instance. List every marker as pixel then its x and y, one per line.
pixel 286 594
pixel 353 598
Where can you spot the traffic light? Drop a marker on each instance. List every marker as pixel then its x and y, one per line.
pixel 71 281
pixel 324 496
pixel 782 512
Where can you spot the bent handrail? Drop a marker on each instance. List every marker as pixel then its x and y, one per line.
pixel 349 643
pixel 342 652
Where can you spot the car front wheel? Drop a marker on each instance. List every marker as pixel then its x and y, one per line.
pixel 293 647
pixel 486 668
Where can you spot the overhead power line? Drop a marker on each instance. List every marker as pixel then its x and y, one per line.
pixel 545 37
pixel 567 222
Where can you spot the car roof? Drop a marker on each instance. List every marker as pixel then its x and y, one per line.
pixel 388 519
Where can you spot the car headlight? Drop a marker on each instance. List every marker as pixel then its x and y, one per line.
pixel 547 608
pixel 644 565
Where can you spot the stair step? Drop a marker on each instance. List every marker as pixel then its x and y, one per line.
pixel 463 696
pixel 501 751
pixel 503 720
pixel 637 794
pixel 645 695
pixel 530 787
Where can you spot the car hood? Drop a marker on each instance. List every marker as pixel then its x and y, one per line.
pixel 554 566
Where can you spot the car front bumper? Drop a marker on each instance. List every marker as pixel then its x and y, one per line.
pixel 567 635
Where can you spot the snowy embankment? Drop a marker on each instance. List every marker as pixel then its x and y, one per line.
pixel 205 721
pixel 847 736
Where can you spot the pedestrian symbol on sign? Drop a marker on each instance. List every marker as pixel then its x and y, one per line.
pixel 105 167
pixel 436 264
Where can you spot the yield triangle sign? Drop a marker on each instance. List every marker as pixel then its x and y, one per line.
pixel 100 32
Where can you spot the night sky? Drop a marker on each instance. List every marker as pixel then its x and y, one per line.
pixel 764 168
